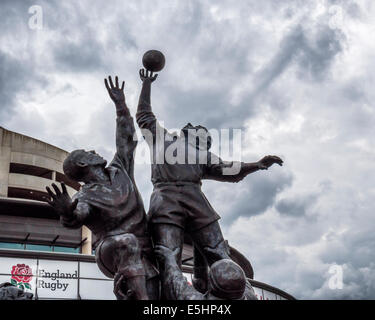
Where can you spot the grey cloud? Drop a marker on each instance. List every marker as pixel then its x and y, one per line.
pixel 10 82
pixel 318 54
pixel 258 194
pixel 215 105
pixel 188 24
pixel 314 55
pixel 350 7
pixel 85 55
pixel 16 76
pixel 75 45
pixel 290 46
pixel 18 71
pixel 353 246
pixel 353 251
pixel 355 92
pixel 127 39
pixel 353 10
pixel 296 206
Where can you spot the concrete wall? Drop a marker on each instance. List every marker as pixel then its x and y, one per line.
pixel 17 148
pixel 18 180
pixel 5 154
pixel 42 230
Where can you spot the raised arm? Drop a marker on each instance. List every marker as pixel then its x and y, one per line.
pixel 125 132
pixel 72 213
pixel 235 171
pixel 145 117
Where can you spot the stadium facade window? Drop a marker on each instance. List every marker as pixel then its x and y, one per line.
pixel 66 249
pixel 38 247
pixel 35 171
pixel 10 245
pixel 30 170
pixel 22 193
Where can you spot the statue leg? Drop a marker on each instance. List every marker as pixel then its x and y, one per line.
pixel 200 271
pixel 170 236
pixel 152 276
pixel 122 255
pixel 209 247
pixel 210 242
pixel 153 286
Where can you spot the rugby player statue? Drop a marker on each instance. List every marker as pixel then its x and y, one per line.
pixel 179 163
pixel 110 205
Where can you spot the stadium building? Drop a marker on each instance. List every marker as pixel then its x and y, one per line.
pixel 41 256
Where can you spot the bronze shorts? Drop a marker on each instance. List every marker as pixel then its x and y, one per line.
pixel 183 205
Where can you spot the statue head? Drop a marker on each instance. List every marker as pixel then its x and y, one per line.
pixel 226 280
pixel 198 135
pixel 79 163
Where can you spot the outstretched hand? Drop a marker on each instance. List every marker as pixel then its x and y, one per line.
pixel 268 161
pixel 61 201
pixel 115 92
pixel 147 75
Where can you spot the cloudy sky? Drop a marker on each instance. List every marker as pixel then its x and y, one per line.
pixel 296 76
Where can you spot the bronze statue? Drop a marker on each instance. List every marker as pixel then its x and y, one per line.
pixel 177 204
pixel 110 205
pixel 10 292
pixel 226 279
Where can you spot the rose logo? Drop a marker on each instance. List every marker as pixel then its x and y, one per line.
pixel 21 276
